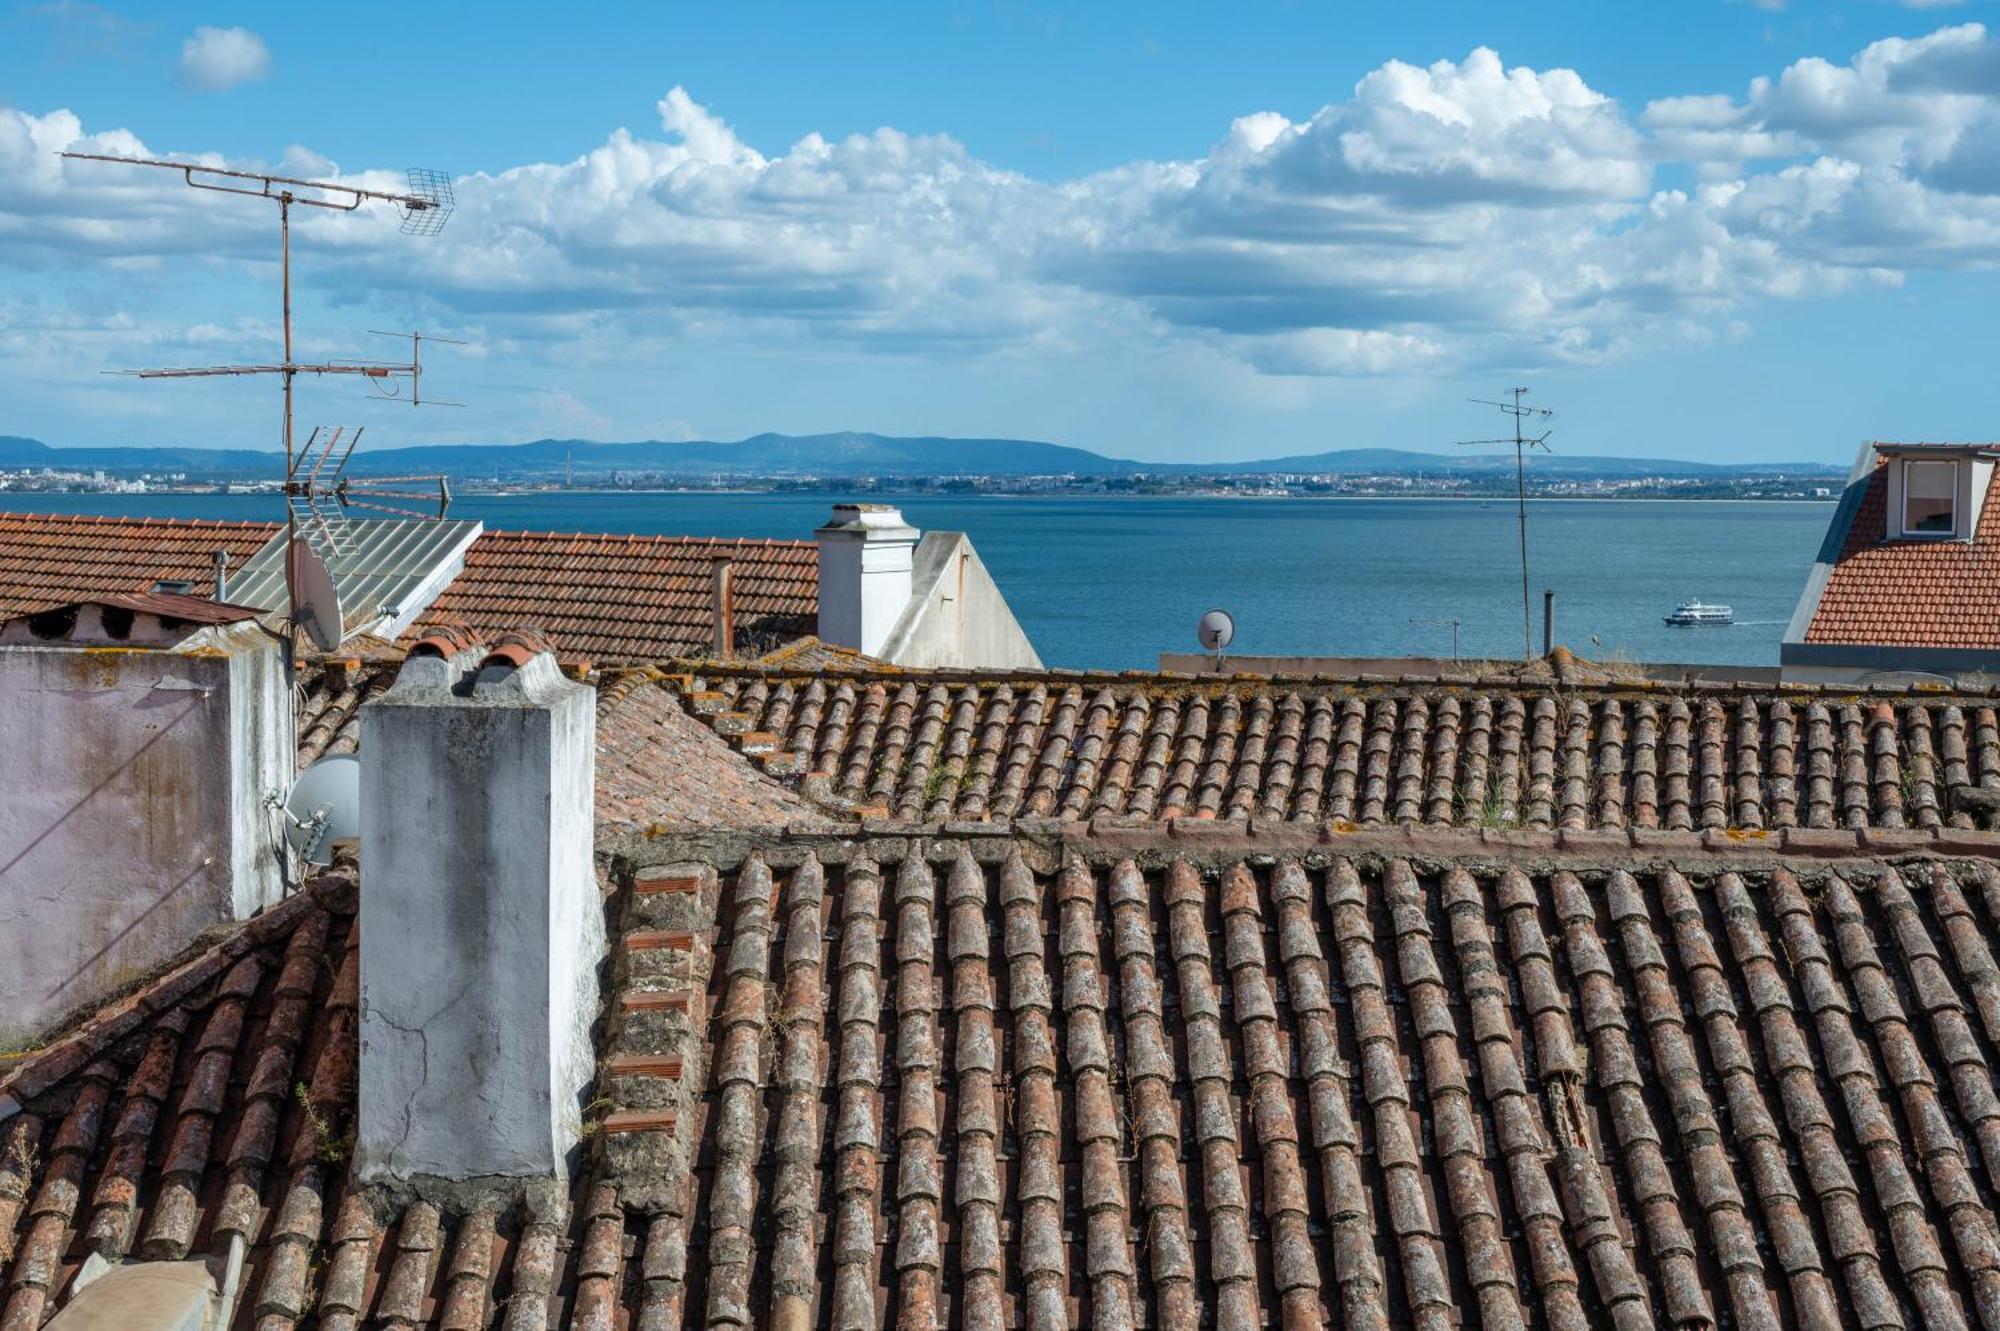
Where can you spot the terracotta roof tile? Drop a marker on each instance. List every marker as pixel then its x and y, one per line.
pixel 944 746
pixel 1911 593
pixel 1386 1093
pixel 604 599
pixel 55 559
pixel 611 599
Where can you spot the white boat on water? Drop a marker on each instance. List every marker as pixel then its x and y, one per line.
pixel 1698 612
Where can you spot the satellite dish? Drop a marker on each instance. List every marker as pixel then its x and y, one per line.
pixel 324 806
pixel 1215 630
pixel 315 603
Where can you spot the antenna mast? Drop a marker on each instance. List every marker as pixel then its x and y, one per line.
pixel 425 209
pixel 1522 443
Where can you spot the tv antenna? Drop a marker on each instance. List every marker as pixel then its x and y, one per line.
pixel 424 208
pixel 1438 624
pixel 1522 443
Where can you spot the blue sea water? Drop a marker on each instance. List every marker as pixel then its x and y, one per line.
pixel 1107 583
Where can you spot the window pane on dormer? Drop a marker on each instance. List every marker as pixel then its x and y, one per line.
pixel 1930 490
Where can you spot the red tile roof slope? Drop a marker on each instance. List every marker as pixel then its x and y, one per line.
pixel 632 598
pixel 970 1092
pixel 1911 593
pixel 658 768
pixel 54 559
pixel 1468 752
pixel 220 1100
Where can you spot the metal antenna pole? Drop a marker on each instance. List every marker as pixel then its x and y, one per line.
pixel 1522 443
pixel 424 208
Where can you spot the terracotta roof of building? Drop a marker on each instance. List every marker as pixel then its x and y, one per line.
pixel 632 598
pixel 56 559
pixel 1002 1091
pixel 603 599
pixel 1001 1081
pixel 1702 1032
pixel 1447 751
pixel 1911 593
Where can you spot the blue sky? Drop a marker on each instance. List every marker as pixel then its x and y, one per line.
pixel 1723 230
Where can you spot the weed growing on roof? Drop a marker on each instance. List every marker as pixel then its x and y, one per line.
pixel 594 1115
pixel 334 1146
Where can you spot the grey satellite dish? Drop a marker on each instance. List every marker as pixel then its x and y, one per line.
pixel 324 807
pixel 315 603
pixel 1215 630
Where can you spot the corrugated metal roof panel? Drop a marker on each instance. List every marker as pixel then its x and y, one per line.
pixel 388 571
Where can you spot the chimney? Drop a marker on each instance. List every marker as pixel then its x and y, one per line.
pixel 725 608
pixel 866 556
pixel 222 575
pixel 485 929
pixel 142 734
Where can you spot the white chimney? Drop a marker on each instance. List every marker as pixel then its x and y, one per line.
pixel 484 926
pixel 866 554
pixel 141 735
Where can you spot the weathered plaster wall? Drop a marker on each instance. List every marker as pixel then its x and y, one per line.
pixel 129 815
pixel 956 616
pixel 485 928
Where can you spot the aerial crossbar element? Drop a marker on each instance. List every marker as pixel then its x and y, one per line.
pixel 424 209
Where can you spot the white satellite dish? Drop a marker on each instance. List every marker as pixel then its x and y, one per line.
pixel 1215 630
pixel 315 603
pixel 324 806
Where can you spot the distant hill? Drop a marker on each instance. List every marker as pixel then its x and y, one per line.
pixel 848 454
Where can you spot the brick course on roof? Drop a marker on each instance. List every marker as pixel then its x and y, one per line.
pixel 1911 593
pixel 633 598
pixel 1463 753
pixel 55 559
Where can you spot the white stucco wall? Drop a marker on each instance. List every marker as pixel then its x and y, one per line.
pixel 956 615
pixel 479 960
pixel 131 814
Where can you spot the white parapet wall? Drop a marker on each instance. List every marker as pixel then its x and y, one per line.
pixel 132 814
pixel 484 927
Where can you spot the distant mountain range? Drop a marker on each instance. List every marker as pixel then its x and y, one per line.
pixel 851 454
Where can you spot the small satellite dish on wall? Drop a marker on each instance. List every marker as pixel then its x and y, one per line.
pixel 324 806
pixel 1215 630
pixel 315 603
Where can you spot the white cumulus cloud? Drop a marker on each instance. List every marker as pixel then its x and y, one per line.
pixel 218 59
pixel 1464 214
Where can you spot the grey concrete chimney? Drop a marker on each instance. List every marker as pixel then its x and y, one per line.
pixel 141 736
pixel 866 555
pixel 483 927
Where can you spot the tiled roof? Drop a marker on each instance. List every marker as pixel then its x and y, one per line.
pixel 1011 1090
pixel 1237 1079
pixel 56 559
pixel 1911 593
pixel 599 598
pixel 220 1101
pixel 632 598
pixel 212 1102
pixel 658 768
pixel 1460 752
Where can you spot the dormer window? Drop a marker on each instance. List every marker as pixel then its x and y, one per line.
pixel 1930 498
